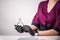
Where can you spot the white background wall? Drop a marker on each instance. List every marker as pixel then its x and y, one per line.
pixel 12 10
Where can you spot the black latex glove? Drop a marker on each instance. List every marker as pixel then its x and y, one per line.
pixel 28 29
pixel 25 28
pixel 19 28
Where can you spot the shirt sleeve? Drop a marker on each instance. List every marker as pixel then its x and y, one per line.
pixel 57 23
pixel 35 20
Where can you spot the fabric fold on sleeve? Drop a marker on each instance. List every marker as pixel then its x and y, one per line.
pixel 57 23
pixel 35 24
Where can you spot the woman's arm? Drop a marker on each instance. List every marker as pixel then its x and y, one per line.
pixel 46 32
pixel 50 32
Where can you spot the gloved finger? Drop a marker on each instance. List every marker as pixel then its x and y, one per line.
pixel 19 28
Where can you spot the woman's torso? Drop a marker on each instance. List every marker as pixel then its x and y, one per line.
pixel 48 19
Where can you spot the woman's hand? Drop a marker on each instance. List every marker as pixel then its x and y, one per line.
pixel 51 32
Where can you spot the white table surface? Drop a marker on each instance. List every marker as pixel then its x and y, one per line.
pixel 26 36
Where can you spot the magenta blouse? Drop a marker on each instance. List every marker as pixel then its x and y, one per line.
pixel 44 20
